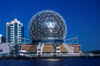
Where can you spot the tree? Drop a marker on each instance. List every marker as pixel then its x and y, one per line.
pixel 93 51
pixel 87 51
pixel 96 52
pixel 83 51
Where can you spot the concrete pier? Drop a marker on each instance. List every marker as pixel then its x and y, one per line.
pixel 12 57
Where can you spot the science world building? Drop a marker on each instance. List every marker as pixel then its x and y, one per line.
pixel 48 30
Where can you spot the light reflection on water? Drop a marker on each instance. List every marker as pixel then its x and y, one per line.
pixel 67 62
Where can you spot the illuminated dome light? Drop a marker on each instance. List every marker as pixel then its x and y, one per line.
pixel 47 24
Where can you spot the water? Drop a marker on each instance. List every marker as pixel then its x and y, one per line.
pixel 67 62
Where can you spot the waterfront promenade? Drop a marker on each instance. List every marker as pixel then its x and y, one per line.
pixel 52 56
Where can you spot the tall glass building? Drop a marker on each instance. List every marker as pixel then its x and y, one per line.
pixel 14 31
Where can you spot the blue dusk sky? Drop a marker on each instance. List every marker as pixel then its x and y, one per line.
pixel 81 16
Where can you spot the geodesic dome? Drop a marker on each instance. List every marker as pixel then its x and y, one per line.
pixel 47 24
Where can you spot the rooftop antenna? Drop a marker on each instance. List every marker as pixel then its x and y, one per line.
pixel 15 15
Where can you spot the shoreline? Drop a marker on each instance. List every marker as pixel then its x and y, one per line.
pixel 46 58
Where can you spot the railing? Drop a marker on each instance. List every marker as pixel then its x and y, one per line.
pixel 57 54
pixel 40 48
pixel 56 47
pixel 68 47
pixel 8 55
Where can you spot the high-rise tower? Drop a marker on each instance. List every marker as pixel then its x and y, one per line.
pixel 13 29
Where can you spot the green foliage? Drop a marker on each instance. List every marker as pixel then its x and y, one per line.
pixel 87 51
pixel 93 51
pixel 83 51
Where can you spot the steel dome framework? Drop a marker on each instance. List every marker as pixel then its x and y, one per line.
pixel 47 24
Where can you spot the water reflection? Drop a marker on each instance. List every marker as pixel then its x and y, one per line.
pixel 67 62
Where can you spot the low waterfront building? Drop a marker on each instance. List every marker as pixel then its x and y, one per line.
pixel 5 48
pixel 76 48
pixel 51 48
pixel 48 30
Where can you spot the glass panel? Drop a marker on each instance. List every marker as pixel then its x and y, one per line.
pixel 11 24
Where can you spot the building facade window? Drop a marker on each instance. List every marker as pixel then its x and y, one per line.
pixel 19 24
pixel 11 38
pixel 1 50
pixel 11 34
pixel 15 24
pixel 11 41
pixel 11 29
pixel 11 24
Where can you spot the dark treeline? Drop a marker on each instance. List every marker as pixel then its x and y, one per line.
pixel 93 51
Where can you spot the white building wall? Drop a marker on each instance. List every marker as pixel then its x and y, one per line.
pixel 5 48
